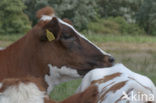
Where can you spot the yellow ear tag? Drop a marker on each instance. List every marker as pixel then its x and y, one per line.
pixel 50 35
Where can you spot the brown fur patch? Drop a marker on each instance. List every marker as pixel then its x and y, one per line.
pixel 114 88
pixel 149 102
pixel 106 78
pixel 45 11
pixel 103 89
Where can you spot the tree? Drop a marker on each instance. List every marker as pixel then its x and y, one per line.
pixel 12 18
pixel 146 16
pixel 32 7
pixel 115 8
pixel 80 12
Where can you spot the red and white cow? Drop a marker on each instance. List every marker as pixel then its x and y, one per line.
pixel 51 41
pixel 31 90
pixel 118 84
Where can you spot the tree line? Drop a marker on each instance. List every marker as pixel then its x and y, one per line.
pixel 18 16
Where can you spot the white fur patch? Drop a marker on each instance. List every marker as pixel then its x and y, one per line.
pixel 23 93
pixel 59 75
pixel 2 48
pixel 46 17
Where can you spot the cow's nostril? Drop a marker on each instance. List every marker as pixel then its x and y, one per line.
pixel 111 59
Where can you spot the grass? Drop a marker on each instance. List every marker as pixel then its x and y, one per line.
pixel 12 37
pixel 65 90
pixel 6 40
pixel 121 38
pixel 136 52
pixel 140 61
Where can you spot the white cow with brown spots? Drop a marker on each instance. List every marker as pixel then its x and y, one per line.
pixel 118 84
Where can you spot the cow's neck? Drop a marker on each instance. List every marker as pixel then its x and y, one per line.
pixel 20 59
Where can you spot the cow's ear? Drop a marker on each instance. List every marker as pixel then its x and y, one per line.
pixel 52 30
pixel 67 21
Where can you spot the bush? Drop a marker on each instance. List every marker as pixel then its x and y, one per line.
pixel 146 16
pixel 115 8
pixel 12 18
pixel 36 5
pixel 128 28
pixel 104 27
pixel 117 25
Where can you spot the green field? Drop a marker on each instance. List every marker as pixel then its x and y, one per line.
pixel 136 52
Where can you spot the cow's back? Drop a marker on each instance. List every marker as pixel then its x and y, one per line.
pixel 116 82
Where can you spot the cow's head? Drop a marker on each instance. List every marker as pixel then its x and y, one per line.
pixel 62 45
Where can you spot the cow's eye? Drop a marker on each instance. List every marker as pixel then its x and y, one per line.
pixel 70 42
pixel 68 37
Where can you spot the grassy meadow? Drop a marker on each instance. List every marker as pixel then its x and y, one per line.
pixel 136 52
